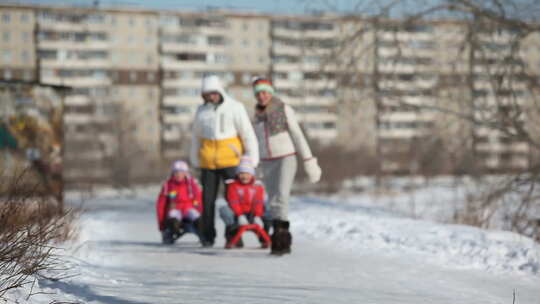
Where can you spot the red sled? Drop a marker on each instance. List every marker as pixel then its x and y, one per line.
pixel 263 236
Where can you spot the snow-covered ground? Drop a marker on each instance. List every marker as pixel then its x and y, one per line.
pixel 353 249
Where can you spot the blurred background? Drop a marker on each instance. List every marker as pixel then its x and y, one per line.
pixel 383 89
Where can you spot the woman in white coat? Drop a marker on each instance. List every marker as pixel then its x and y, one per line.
pixel 280 140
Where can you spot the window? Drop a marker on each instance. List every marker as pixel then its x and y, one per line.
pixel 25 56
pixel 27 75
pixel 168 20
pixel 25 36
pixel 115 58
pixel 5 36
pixel 7 74
pixel 7 56
pixel 131 21
pixel 245 26
pixel 245 42
pixel 150 77
pixel 216 40
pixel 246 78
pixel 25 18
pixel 260 43
pixel 47 73
pixel 6 18
pixel 132 76
pixel 149 59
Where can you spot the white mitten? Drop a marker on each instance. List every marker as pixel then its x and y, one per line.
pixel 242 220
pixel 175 214
pixel 257 220
pixel 313 170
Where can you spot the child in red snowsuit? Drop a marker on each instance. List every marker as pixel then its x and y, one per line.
pixel 179 204
pixel 245 200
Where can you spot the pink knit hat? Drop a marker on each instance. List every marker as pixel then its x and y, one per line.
pixel 179 166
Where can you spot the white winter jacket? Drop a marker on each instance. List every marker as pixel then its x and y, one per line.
pixel 221 133
pixel 284 143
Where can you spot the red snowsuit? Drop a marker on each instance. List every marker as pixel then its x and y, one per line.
pixel 245 198
pixel 182 194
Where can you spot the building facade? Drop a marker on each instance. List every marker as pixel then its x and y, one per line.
pixel 380 85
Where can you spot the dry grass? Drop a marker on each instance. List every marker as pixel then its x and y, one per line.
pixel 31 227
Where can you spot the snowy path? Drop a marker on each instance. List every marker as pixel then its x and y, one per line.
pixel 120 260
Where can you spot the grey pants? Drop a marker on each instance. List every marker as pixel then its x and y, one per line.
pixel 278 178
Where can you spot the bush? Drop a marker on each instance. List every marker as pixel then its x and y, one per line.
pixel 32 224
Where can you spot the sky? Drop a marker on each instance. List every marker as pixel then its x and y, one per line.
pixel 267 6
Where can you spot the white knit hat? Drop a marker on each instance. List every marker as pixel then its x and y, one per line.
pixel 245 166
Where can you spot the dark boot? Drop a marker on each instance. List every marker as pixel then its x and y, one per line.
pixel 167 236
pixel 281 238
pixel 230 232
pixel 267 224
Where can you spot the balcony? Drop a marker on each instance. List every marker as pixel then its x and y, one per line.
pixel 281 84
pixel 317 117
pixel 501 147
pixel 399 133
pixel 192 65
pixel 73 118
pixel 202 30
pixel 172 135
pixel 286 50
pixel 406 36
pixel 182 101
pixel 287 67
pixel 326 135
pixel 289 33
pixel 77 100
pixel 188 83
pixel 73 45
pixel 183 118
pixel 76 63
pixel 172 47
pixel 76 81
pixel 63 26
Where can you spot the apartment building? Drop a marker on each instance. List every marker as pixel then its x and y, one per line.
pixel 248 52
pixel 191 45
pixel 110 59
pixel 302 72
pixel 354 82
pixel 425 70
pixel 17 44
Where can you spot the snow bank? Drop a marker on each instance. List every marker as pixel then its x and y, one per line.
pixel 368 228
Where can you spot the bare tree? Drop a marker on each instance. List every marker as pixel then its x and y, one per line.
pixel 458 79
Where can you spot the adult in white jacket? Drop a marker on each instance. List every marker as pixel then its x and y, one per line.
pixel 222 133
pixel 280 140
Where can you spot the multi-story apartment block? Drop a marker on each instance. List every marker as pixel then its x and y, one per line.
pixel 302 73
pixel 378 84
pixel 110 59
pixel 17 44
pixel 248 43
pixel 135 91
pixel 191 45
